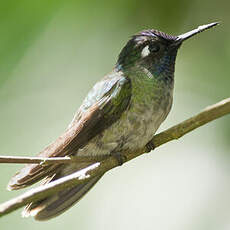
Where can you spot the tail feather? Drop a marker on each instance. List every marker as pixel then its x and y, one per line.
pixel 26 177
pixel 55 205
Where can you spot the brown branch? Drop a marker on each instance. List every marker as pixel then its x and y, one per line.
pixel 50 160
pixel 211 113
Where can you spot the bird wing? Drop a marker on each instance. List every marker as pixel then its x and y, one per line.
pixel 102 107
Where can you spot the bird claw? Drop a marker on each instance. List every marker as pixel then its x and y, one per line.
pixel 150 146
pixel 121 159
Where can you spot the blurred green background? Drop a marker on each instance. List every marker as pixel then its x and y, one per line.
pixel 51 54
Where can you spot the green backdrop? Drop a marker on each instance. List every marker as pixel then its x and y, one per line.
pixel 51 54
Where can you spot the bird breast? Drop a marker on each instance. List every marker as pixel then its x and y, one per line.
pixel 150 104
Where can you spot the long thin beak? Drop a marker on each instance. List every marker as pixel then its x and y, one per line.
pixel 191 33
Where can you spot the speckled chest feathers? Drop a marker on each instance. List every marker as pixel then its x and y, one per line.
pixel 149 105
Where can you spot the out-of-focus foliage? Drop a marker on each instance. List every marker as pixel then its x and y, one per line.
pixel 52 52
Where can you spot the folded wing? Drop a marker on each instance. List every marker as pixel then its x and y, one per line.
pixel 102 107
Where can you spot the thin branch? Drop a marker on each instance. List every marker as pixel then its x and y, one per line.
pixel 210 113
pixel 34 160
pixel 50 160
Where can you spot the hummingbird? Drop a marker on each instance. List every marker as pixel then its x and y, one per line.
pixel 121 113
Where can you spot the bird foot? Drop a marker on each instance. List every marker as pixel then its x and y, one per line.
pixel 121 159
pixel 150 146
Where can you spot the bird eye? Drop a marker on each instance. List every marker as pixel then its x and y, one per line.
pixel 154 48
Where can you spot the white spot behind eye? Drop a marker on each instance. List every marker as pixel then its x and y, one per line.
pixel 145 52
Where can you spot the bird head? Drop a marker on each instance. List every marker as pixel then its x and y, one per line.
pixel 154 51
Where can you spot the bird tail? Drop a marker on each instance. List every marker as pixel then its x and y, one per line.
pixel 56 204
